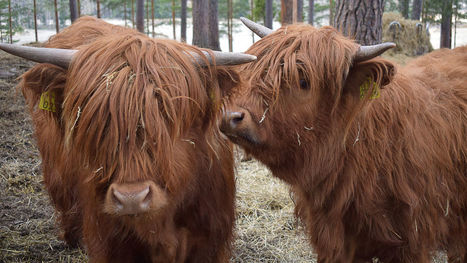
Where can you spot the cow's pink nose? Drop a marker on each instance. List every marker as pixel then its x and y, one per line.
pixel 134 198
pixel 231 120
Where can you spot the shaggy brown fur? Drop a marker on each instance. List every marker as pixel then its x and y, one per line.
pixel 132 109
pixel 373 178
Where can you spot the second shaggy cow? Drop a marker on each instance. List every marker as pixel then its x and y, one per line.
pixel 377 160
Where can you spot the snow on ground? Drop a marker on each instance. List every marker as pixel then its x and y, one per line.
pixel 242 38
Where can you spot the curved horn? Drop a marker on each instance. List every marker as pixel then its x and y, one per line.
pixel 369 52
pixel 56 56
pixel 62 57
pixel 419 28
pixel 393 24
pixel 223 58
pixel 258 29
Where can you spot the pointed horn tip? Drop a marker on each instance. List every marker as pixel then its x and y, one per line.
pixel 390 44
pixel 243 19
pixel 233 58
pixel 258 29
pixel 248 58
pixel 222 58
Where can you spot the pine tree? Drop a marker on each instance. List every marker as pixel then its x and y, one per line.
pixel 364 24
pixel 17 19
pixel 446 25
pixel 416 9
pixel 311 11
pixel 404 8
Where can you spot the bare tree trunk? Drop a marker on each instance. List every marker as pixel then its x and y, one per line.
pixel 331 12
pixel 230 23
pixel 213 26
pixel 294 11
pixel 284 18
pixel 152 17
pixel 299 10
pixel 57 25
pixel 252 14
pixel 446 25
pixel 133 13
pixel 268 19
pixel 147 16
pixel 404 8
pixel 311 11
pixel 73 11
pixel 140 15
pixel 455 24
pixel 35 21
pixel 98 7
pixel 79 7
pixel 417 7
pixel 291 11
pixel 360 19
pixel 183 20
pixel 200 23
pixel 124 12
pixel 173 20
pixel 9 21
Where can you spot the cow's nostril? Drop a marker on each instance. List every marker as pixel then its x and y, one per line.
pixel 125 199
pixel 236 117
pixel 134 198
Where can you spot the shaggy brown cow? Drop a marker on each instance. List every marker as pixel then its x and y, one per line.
pixel 132 157
pixel 377 160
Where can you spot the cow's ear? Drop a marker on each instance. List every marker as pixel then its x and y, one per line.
pixel 228 80
pixel 366 78
pixel 42 87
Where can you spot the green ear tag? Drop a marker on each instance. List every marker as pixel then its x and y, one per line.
pixel 47 101
pixel 366 86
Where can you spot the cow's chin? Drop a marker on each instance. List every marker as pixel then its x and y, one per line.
pixel 245 139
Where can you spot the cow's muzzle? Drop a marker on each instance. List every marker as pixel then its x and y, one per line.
pixel 239 126
pixel 231 121
pixel 134 198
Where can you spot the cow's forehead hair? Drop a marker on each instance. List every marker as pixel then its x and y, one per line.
pixel 297 52
pixel 134 102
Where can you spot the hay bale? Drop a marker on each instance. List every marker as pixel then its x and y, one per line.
pixel 410 36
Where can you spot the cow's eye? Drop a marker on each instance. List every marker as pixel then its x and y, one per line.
pixel 304 84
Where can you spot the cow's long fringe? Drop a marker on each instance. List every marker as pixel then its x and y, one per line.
pixel 127 93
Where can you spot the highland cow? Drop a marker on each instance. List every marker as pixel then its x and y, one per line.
pixel 377 160
pixel 133 160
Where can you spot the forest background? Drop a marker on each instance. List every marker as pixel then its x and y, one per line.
pixel 211 20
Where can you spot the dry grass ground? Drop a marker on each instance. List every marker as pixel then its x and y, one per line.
pixel 266 229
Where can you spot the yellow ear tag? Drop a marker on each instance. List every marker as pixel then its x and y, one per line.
pixel 366 86
pixel 47 101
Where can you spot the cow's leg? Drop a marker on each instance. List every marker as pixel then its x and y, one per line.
pixel 71 223
pixel 64 200
pixel 457 247
pixel 117 249
pixel 407 256
pixel 456 258
pixel 182 245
